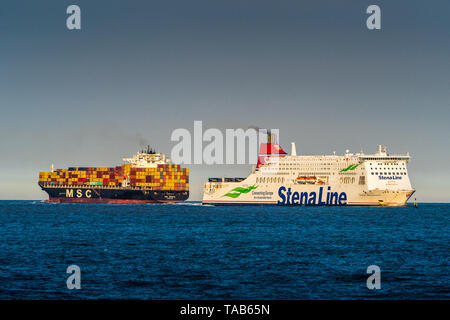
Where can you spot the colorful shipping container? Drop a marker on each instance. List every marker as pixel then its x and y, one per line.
pixel 165 177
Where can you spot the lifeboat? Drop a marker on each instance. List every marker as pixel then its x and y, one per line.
pixel 301 180
pixel 311 180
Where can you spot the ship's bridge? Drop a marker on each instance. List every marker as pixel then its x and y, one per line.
pixel 382 155
pixel 147 160
pixel 398 157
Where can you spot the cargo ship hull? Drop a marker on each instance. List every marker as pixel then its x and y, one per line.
pixel 113 195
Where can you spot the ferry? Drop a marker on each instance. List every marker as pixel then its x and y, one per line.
pixel 351 179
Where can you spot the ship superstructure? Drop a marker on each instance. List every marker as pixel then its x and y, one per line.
pixel 147 159
pixel 147 177
pixel 348 179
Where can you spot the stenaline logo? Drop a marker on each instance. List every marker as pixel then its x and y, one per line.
pixel 236 192
pixel 350 167
pixel 389 178
pixel 311 198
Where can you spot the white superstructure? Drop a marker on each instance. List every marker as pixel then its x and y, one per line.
pixel 147 159
pixel 349 179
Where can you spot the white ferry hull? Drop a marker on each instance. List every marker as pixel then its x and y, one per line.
pixel 299 195
pixel 358 179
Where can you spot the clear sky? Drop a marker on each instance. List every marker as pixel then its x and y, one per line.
pixel 140 69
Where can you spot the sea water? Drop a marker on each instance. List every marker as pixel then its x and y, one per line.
pixel 190 251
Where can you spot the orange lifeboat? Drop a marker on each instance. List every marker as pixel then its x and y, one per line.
pixel 311 180
pixel 301 180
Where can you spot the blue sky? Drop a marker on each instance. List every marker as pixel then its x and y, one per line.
pixel 138 70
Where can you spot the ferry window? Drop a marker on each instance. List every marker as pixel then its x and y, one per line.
pixel 372 173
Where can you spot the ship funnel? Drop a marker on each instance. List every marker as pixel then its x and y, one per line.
pixel 380 148
pixel 271 138
pixel 293 149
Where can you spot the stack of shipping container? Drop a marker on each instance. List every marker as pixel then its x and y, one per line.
pixel 162 177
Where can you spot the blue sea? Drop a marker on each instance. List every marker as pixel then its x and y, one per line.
pixel 190 251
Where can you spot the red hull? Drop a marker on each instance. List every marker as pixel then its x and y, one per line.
pixel 84 200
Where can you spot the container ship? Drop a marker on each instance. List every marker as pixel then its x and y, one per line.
pixel 147 177
pixel 378 179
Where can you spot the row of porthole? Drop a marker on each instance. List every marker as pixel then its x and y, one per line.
pixel 270 180
pixel 389 164
pixel 404 169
